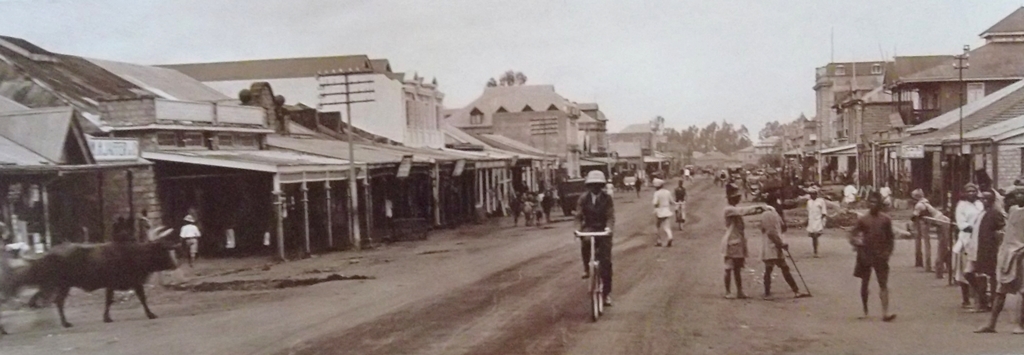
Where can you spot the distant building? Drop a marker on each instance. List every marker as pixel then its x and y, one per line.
pixel 531 114
pixel 594 127
pixel 640 133
pixel 834 83
pixel 404 111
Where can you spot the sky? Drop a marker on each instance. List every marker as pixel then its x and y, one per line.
pixel 692 62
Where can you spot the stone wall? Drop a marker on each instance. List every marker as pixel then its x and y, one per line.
pixel 1009 166
pixel 116 199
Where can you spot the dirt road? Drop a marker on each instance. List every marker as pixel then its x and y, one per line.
pixel 518 291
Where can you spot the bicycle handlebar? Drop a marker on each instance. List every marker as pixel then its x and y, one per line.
pixel 605 233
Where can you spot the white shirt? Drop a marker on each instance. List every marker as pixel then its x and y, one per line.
pixel 966 214
pixel 885 191
pixel 663 203
pixel 686 172
pixel 189 231
pixel 850 192
pixel 816 211
pixel 387 208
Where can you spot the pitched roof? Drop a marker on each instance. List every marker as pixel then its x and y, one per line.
pixel 7 105
pixel 907 65
pixel 512 99
pixel 1007 107
pixel 12 153
pixel 999 131
pixel 1014 23
pixel 42 131
pixel 510 144
pixel 993 61
pixel 73 79
pixel 969 110
pixel 270 68
pixel 637 128
pixel 166 83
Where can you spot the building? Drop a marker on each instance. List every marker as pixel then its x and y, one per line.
pixel 748 156
pixel 403 111
pixel 531 114
pixel 641 133
pixel 937 89
pixel 835 82
pixel 594 129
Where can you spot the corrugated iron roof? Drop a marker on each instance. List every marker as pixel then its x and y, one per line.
pixel 166 83
pixel 42 131
pixel 514 144
pixel 637 128
pixel 993 61
pixel 998 131
pixel 512 99
pixel 262 69
pixel 8 105
pixel 368 154
pixel 270 161
pixel 626 149
pixel 1014 23
pixel 12 153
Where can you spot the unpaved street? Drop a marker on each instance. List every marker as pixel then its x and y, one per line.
pixel 518 291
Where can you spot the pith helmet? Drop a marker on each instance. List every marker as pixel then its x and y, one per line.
pixel 595 177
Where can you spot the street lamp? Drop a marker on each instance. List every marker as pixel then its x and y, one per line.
pixel 960 65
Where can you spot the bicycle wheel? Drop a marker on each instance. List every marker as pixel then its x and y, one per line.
pixel 595 293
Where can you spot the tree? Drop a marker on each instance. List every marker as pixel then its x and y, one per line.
pixel 771 129
pixel 509 78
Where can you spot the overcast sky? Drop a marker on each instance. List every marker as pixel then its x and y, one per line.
pixel 690 61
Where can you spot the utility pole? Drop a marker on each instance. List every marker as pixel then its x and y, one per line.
pixel 961 64
pixel 326 87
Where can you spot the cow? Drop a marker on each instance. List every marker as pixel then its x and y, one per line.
pixel 117 266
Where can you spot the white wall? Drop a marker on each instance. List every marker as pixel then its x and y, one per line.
pixel 385 116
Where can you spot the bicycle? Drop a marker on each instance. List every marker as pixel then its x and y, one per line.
pixel 596 285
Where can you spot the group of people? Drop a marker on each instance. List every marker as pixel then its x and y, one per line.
pixel 533 206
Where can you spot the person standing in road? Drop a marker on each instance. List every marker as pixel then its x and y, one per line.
pixel 680 194
pixel 595 212
pixel 983 248
pixel 663 203
pixel 772 246
pixel 967 211
pixel 190 236
pixel 923 209
pixel 873 239
pixel 816 212
pixel 637 184
pixel 1010 260
pixel 734 242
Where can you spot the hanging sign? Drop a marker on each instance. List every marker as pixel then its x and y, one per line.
pixel 911 151
pixel 460 165
pixel 114 149
pixel 405 167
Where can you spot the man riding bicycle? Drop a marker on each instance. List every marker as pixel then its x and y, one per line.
pixel 595 212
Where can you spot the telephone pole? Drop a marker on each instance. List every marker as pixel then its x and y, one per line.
pixel 329 88
pixel 961 64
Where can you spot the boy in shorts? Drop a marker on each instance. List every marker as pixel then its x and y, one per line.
pixel 734 242
pixel 873 239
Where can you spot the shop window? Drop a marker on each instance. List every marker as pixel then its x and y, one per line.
pixel 166 139
pixel 193 139
pixel 246 140
pixel 225 140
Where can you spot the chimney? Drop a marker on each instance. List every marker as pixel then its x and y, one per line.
pixel 260 94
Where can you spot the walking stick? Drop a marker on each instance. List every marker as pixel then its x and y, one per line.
pixel 790 256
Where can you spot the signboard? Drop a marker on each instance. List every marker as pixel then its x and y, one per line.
pixel 459 167
pixel 405 167
pixel 912 151
pixel 965 149
pixel 114 149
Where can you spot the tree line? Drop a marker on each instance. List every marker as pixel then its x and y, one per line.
pixel 722 137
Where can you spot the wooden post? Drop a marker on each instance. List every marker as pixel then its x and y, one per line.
pixel 279 216
pixel 131 202
pixel 305 214
pixel 47 234
pixel 436 185
pixel 330 231
pixel 369 208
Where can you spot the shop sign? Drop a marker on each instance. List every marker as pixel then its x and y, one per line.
pixel 405 167
pixel 114 149
pixel 911 151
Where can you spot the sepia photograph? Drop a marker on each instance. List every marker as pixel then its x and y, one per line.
pixel 472 177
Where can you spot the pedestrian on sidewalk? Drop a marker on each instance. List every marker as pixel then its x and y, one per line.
pixel 772 246
pixel 983 249
pixel 1010 264
pixel 967 211
pixel 734 242
pixel 816 212
pixel 190 237
pixel 873 239
pixel 663 202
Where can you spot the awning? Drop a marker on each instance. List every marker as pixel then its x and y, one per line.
pixel 849 149
pixel 650 159
pixel 592 162
pixel 794 152
pixel 290 167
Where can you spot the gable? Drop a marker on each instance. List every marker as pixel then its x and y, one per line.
pixel 51 133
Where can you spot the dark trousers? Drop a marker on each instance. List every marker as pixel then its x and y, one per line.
pixel 604 255
pixel 781 263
